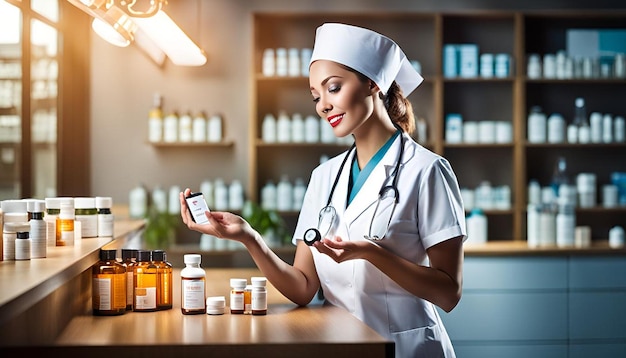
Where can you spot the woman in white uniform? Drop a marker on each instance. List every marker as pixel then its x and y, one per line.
pixel 382 225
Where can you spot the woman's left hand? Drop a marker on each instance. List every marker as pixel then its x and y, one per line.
pixel 340 250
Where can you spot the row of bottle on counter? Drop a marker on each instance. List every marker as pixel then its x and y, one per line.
pixel 465 61
pixel 31 226
pixel 593 128
pixel 142 281
pixel 472 132
pixel 298 129
pixel 184 127
pixel 561 66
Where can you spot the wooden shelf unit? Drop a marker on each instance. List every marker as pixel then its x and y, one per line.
pixel 423 36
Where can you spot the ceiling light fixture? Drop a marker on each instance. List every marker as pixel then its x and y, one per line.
pixel 120 23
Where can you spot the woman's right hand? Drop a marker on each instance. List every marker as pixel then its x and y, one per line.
pixel 223 225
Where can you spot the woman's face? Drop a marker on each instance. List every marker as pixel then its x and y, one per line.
pixel 341 97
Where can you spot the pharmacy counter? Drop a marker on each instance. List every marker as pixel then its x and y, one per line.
pixel 286 330
pixel 39 297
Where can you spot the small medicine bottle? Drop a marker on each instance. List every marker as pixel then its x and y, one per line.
pixel 53 208
pixel 164 279
pixel 65 223
pixel 237 295
pixel 145 280
pixel 247 300
pixel 105 217
pixel 108 285
pixel 85 211
pixel 193 282
pixel 38 240
pixel 215 305
pixel 129 260
pixel 259 296
pixel 22 242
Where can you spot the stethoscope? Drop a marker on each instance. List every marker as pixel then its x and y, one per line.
pixel 388 197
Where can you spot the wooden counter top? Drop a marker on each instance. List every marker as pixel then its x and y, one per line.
pixel 39 296
pixel 286 330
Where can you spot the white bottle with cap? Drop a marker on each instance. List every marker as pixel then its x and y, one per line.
pixel 87 214
pixel 185 128
pixel 193 285
pixel 235 195
pixel 199 128
pixel 537 126
pixel 214 128
pixel 312 128
pixel 105 216
pixel 170 128
pixel 269 62
pixel 268 130
pixel 38 239
pixel 284 197
pixel 283 128
pixel 65 223
pixel 268 196
pixel 297 128
pixel 220 191
pixel 616 237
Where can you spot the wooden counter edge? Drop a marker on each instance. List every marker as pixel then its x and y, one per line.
pixel 15 304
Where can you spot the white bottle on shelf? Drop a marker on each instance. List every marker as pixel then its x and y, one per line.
pixel 199 128
pixel 619 129
pixel 299 189
pixel 297 128
pixel 283 128
pixel 155 121
pixel 282 66
pixel 284 194
pixel 269 63
pixel 268 130
pixel 477 227
pixel 607 128
pixel 206 188
pixel 185 128
pixel 220 192
pixel 170 128
pixel 537 126
pixel 312 128
pixel 294 62
pixel 595 123
pixel 268 196
pixel 235 195
pixel 215 134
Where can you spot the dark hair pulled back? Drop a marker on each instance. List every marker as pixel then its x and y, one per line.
pixel 399 108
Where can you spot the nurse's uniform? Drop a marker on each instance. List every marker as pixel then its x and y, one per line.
pixel 429 211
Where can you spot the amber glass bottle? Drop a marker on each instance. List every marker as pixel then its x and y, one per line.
pixel 108 285
pixel 129 260
pixel 164 279
pixel 145 277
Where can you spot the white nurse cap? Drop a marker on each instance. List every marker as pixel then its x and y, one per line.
pixel 368 52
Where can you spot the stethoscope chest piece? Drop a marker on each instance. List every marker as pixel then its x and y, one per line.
pixel 311 236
